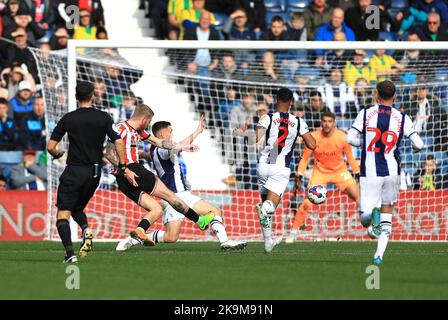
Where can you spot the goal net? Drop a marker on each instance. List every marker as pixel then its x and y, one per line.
pixel 233 84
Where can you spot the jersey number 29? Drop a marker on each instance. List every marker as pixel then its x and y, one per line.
pixel 388 138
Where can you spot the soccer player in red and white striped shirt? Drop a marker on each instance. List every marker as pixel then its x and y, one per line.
pixel 132 132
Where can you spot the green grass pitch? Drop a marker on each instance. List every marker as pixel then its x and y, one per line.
pixel 312 270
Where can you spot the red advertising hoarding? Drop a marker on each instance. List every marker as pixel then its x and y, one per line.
pixel 420 215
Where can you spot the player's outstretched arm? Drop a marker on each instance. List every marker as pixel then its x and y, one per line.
pixel 412 135
pixel 303 163
pixel 52 148
pixel 417 142
pixel 160 143
pixel 260 136
pixel 120 151
pixel 310 142
pixel 351 158
pixel 189 140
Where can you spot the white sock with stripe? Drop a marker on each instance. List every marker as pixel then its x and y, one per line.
pixel 219 229
pixel 383 239
pixel 157 236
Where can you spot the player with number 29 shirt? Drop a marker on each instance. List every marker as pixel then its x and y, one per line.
pixel 380 130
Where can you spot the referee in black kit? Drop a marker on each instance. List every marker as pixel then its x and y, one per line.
pixel 87 128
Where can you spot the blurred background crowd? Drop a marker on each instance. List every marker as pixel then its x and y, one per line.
pixel 232 87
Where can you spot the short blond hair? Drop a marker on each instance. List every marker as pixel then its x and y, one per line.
pixel 142 110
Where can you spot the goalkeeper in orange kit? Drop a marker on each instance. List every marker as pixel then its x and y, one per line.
pixel 329 167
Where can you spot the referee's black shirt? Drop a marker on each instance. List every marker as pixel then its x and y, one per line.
pixel 87 129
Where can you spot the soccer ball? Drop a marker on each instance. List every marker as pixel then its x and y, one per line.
pixel 317 194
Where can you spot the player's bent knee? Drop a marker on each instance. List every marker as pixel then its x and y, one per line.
pixel 217 211
pixel 63 214
pixel 366 219
pixel 170 238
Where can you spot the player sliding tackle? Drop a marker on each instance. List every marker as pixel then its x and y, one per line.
pixel 275 137
pixel 166 163
pixel 382 128
pixel 329 167
pixel 146 183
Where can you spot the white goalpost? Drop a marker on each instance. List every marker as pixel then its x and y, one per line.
pixel 179 80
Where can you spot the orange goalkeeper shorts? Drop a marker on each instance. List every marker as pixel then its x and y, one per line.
pixel 342 179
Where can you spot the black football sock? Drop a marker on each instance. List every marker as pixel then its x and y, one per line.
pixel 144 224
pixel 192 215
pixel 65 235
pixel 81 219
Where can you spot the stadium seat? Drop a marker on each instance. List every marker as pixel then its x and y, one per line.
pixel 428 140
pixel 441 74
pixel 387 36
pixel 344 124
pixel 220 19
pixel 444 167
pixel 274 5
pixel 399 4
pixel 420 157
pixel 10 157
pixel 297 5
pixel 406 158
pixel 269 15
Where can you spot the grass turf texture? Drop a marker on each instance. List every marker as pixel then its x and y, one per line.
pixel 331 270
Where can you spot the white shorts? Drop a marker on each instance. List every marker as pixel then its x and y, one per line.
pixel 375 191
pixel 272 177
pixel 169 214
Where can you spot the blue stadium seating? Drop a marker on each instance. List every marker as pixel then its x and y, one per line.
pixel 220 19
pixel 297 5
pixel 10 157
pixel 441 74
pixel 387 36
pixel 428 140
pixel 403 36
pixel 274 5
pixel 420 157
pixel 344 124
pixel 399 4
pixel 444 168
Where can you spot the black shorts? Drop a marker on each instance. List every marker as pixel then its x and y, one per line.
pixel 146 180
pixel 76 187
pixel 173 28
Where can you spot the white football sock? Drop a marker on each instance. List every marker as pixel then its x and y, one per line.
pixel 219 229
pixel 157 236
pixel 267 230
pixel 267 208
pixel 366 219
pixel 383 239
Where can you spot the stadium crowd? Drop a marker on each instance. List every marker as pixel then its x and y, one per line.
pixel 44 25
pixel 234 88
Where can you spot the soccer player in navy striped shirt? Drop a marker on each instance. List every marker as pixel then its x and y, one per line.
pixel 379 129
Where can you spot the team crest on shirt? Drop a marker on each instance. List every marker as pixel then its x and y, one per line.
pixel 115 128
pixel 264 120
